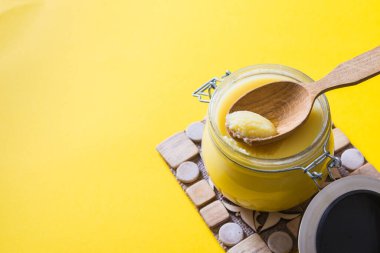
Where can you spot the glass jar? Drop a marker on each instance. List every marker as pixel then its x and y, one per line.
pixel 271 178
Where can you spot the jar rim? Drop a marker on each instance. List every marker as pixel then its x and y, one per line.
pixel 246 160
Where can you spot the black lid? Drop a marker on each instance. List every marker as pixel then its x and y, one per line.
pixel 343 217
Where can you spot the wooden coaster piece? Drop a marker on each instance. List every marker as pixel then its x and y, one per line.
pixel 252 244
pixel 325 183
pixel 335 173
pixel 280 242
pixel 187 172
pixel 195 131
pixel 230 234
pixel 200 193
pixel 177 149
pixel 352 159
pixel 340 140
pixel 214 213
pixel 293 226
pixel 367 170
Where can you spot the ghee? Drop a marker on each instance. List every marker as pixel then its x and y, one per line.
pixel 293 144
pixel 256 177
pixel 250 124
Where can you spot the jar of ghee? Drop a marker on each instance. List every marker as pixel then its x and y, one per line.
pixel 271 177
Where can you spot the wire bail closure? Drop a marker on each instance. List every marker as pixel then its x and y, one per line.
pixel 334 162
pixel 207 89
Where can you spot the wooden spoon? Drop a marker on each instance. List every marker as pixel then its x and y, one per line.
pixel 288 104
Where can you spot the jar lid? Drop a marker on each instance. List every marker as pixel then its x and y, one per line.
pixel 343 217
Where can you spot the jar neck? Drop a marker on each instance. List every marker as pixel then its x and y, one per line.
pixel 255 163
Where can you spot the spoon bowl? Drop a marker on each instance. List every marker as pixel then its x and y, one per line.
pixel 288 104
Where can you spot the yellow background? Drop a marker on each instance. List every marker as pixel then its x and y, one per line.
pixel 88 88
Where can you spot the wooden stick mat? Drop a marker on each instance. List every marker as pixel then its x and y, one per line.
pixel 259 232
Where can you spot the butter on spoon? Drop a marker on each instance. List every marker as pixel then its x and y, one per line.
pixel 246 125
pixel 288 104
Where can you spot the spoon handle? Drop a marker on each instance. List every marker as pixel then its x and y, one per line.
pixel 351 72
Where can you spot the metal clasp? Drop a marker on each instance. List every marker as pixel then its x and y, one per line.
pixel 334 162
pixel 207 89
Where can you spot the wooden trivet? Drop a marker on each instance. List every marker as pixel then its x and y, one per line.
pixel 217 210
